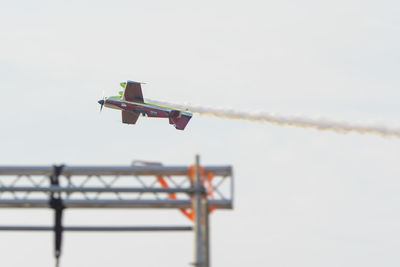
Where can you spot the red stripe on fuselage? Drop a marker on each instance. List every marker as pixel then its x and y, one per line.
pixel 129 106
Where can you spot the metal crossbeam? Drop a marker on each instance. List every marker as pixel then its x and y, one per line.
pixel 98 228
pixel 60 189
pixel 110 187
pixel 112 203
pixel 112 170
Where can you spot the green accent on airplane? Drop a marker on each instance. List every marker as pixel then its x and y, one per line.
pixel 115 97
pixel 123 84
pixel 121 93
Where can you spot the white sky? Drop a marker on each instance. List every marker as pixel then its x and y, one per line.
pixel 303 197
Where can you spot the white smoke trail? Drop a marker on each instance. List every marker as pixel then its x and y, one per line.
pixel 297 121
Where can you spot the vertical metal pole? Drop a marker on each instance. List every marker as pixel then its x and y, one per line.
pixel 205 231
pixel 197 208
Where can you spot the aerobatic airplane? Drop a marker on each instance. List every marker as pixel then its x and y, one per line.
pixel 132 104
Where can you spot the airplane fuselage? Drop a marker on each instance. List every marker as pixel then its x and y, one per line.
pixel 147 109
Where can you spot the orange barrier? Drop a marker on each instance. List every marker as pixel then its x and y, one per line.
pixel 206 180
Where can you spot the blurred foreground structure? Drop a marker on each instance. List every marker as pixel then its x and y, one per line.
pixel 195 190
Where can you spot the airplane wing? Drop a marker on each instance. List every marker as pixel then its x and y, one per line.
pixel 133 92
pixel 129 117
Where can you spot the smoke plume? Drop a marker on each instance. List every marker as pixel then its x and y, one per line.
pixel 296 121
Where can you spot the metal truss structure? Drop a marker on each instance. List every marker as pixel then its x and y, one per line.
pixel 195 190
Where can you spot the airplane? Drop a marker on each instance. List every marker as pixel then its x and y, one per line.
pixel 131 103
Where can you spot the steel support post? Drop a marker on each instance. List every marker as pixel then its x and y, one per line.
pixel 200 219
pixel 205 231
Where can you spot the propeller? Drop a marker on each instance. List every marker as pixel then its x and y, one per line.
pixel 101 102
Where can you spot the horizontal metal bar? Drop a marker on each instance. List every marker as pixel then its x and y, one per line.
pixel 112 170
pixel 95 189
pixel 98 228
pixel 111 203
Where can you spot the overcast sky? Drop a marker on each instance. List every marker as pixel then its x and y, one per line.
pixel 303 197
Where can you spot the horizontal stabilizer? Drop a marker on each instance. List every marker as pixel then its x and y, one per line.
pixel 180 122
